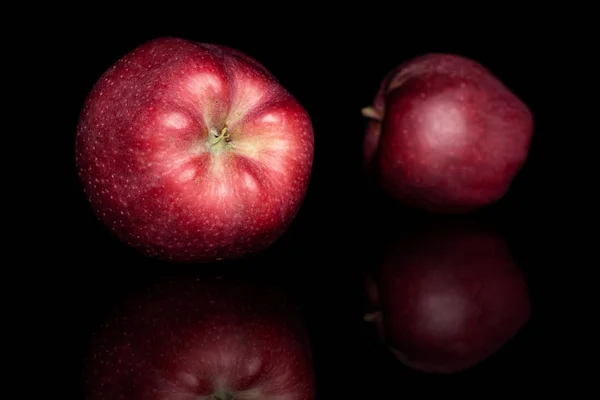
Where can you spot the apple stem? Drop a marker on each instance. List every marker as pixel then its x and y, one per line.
pixel 221 135
pixel 218 139
pixel 370 112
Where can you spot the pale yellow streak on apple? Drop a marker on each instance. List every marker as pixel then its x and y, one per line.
pixel 253 147
pixel 223 190
pixel 220 189
pixel 205 86
pixel 268 150
pixel 246 98
pixel 216 165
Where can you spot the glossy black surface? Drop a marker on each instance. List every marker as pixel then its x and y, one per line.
pixel 321 259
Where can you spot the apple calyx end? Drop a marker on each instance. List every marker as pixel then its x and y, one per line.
pixel 370 112
pixel 218 140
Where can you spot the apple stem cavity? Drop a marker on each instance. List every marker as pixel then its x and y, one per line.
pixel 370 112
pixel 218 140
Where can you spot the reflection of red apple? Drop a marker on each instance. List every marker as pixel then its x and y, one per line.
pixel 445 134
pixel 210 340
pixel 193 151
pixel 448 298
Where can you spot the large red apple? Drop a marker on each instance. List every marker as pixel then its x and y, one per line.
pixel 193 152
pixel 447 298
pixel 202 340
pixel 445 134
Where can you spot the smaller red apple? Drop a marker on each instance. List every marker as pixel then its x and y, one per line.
pixel 447 298
pixel 445 134
pixel 216 339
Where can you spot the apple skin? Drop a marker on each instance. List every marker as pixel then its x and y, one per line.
pixel 446 135
pixel 447 298
pixel 193 152
pixel 203 340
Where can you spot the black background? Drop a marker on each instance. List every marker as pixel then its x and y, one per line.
pixel 333 71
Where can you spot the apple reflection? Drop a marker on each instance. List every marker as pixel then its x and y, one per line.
pixel 190 339
pixel 447 296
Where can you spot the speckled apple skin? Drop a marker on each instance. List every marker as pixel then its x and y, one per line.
pixel 145 152
pixel 190 340
pixel 448 135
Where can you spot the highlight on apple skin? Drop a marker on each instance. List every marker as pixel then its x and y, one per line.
pixel 193 152
pixel 445 134
pixel 447 297
pixel 210 339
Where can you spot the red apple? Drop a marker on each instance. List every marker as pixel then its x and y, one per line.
pixel 202 340
pixel 447 298
pixel 193 152
pixel 445 135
